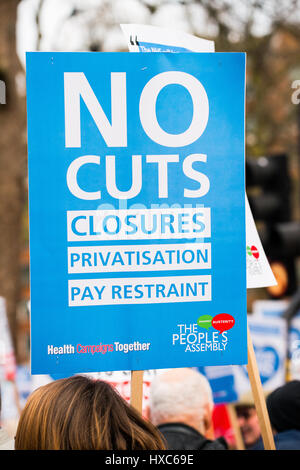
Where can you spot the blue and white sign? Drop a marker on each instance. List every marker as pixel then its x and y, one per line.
pixel 137 210
pixel 222 380
pixel 269 336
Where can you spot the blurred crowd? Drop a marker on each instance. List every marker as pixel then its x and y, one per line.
pixel 85 413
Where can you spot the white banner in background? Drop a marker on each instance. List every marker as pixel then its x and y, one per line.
pixel 143 38
pixel 259 272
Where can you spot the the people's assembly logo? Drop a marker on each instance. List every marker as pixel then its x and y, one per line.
pixel 208 334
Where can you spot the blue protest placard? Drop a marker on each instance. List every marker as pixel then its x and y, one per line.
pixel 137 210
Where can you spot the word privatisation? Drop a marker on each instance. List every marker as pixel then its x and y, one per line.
pixel 97 348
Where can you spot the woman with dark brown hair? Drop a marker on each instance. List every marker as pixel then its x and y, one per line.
pixel 79 413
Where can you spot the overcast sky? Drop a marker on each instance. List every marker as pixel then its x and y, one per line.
pixel 63 31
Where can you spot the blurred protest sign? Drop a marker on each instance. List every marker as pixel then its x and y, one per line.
pixel 125 213
pixel 294 348
pixel 223 383
pixel 269 336
pixel 277 309
pixel 120 380
pixel 7 354
pixel 8 368
pixel 269 308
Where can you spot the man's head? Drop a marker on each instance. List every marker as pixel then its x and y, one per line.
pixel 284 407
pixel 181 395
pixel 248 423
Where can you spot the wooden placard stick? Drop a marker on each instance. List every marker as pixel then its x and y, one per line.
pixel 17 398
pixel 136 392
pixel 235 427
pixel 259 399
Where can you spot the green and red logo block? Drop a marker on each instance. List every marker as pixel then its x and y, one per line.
pixel 221 322
pixel 252 251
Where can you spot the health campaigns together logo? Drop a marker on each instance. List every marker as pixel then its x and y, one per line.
pixel 221 322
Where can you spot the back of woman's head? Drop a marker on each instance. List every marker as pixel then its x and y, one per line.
pixel 79 413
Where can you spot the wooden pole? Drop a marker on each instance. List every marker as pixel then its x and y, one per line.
pixel 235 426
pixel 17 399
pixel 259 399
pixel 136 393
